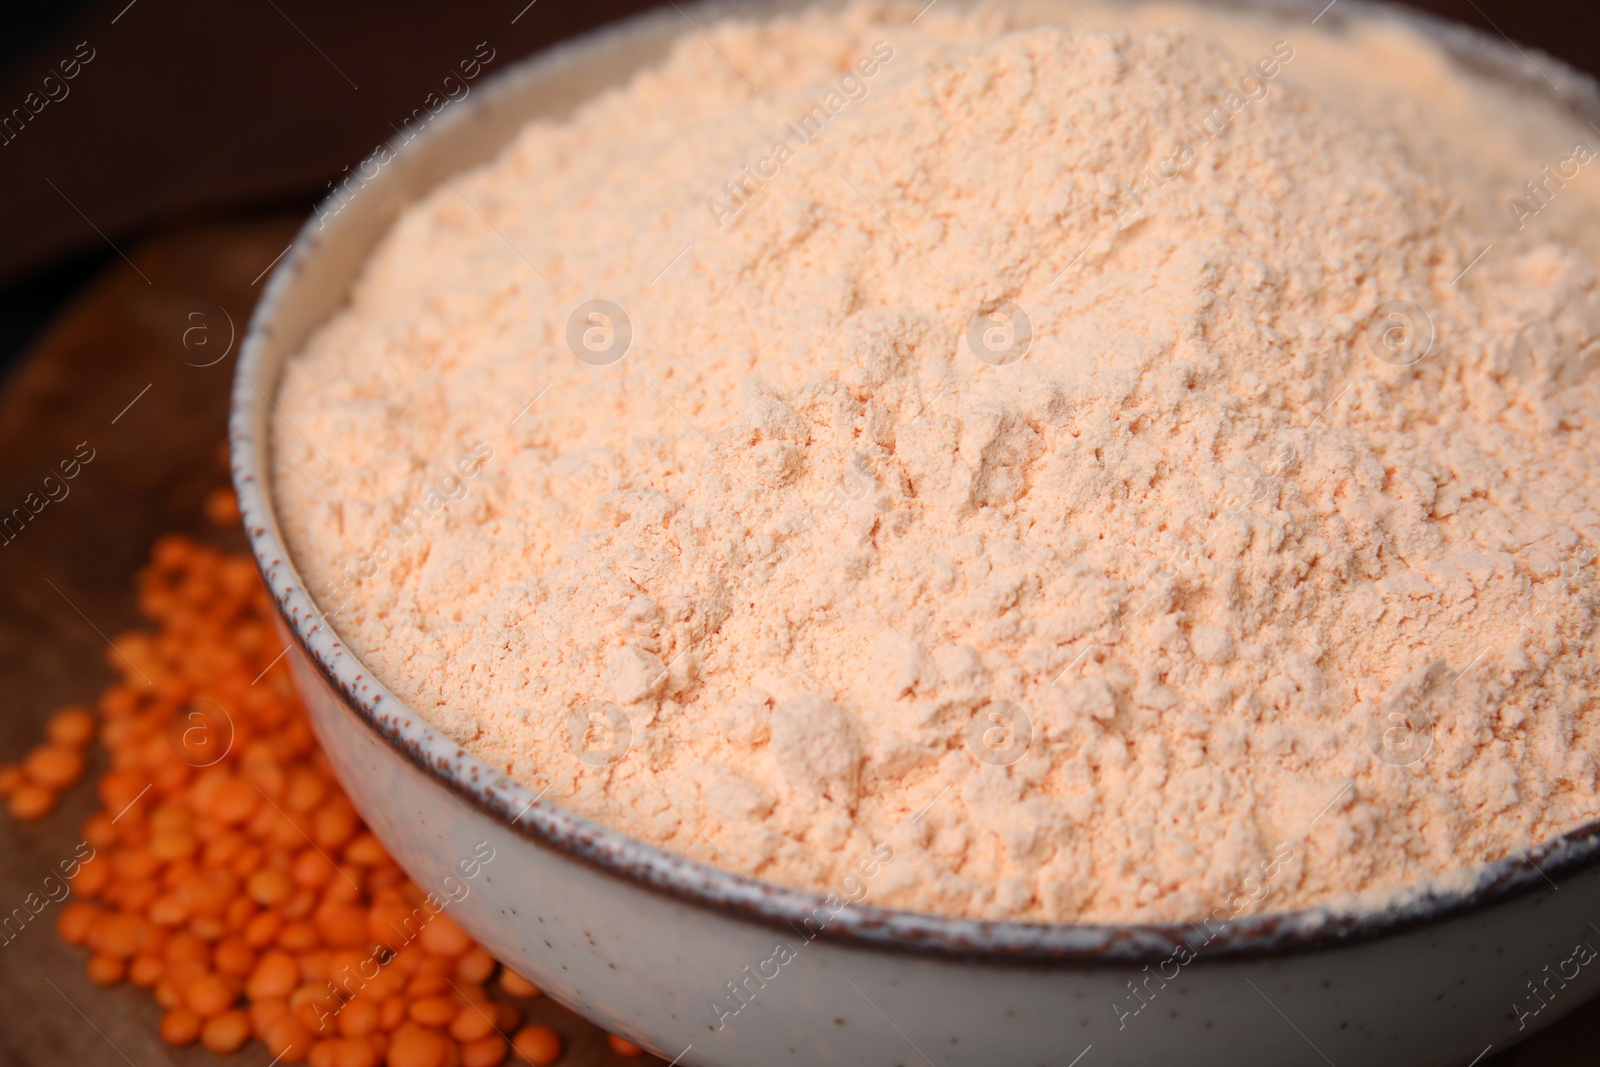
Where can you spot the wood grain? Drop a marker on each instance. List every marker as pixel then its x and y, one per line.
pixel 66 587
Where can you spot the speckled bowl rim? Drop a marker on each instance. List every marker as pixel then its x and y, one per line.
pixel 863 925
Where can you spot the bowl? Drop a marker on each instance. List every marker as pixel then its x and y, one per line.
pixel 702 966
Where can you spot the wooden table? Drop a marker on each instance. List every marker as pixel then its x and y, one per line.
pixel 139 367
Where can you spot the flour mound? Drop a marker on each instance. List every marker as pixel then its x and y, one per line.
pixel 1268 563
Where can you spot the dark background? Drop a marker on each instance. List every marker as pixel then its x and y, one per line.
pixel 192 109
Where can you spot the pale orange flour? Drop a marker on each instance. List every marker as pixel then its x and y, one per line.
pixel 1094 464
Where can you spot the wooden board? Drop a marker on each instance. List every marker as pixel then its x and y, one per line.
pixel 152 333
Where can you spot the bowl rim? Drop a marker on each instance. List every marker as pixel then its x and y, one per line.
pixel 654 869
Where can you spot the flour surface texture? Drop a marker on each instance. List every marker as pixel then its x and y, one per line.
pixel 1127 474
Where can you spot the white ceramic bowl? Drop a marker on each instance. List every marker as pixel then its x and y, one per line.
pixel 648 944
